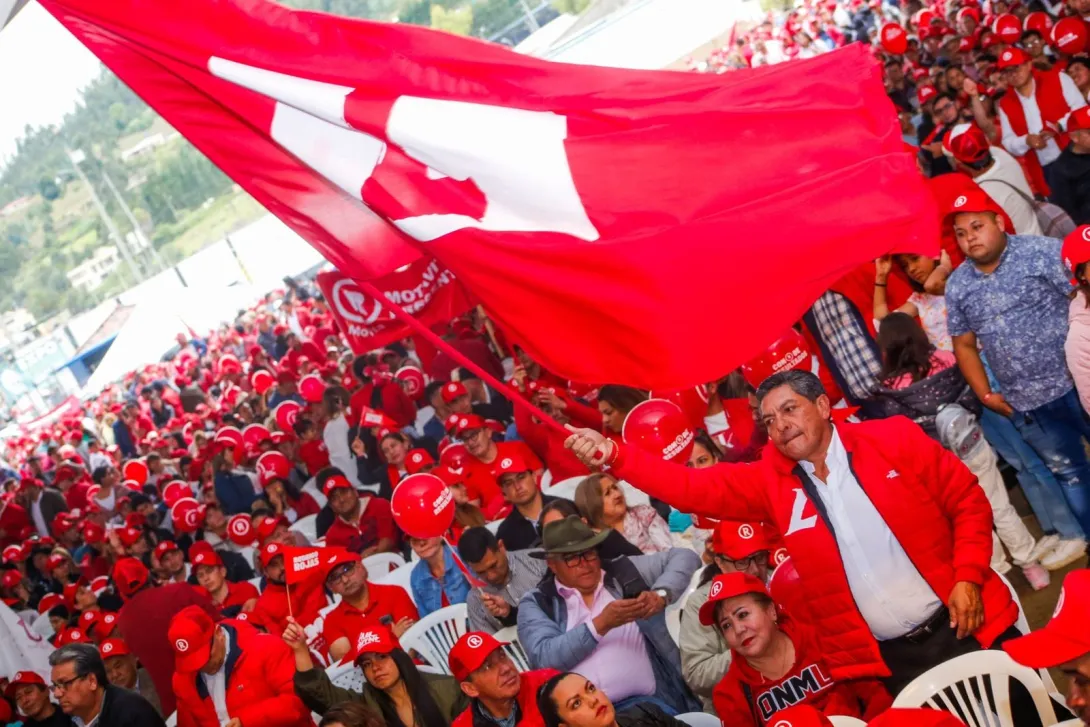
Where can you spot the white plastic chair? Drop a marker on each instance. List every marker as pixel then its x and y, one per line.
pixel 494 526
pixel 172 720
pixel 307 527
pixel 509 636
pixel 961 686
pixel 842 720
pixel 699 719
pixel 348 676
pixel 566 489
pixel 380 564
pixel 311 488
pixel 42 627
pixel 400 577
pixel 434 635
pixel 546 480
pixel 1023 626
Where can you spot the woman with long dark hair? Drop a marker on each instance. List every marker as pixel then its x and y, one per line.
pixel 392 684
pixel 571 700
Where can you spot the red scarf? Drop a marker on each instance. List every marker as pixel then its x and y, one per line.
pixel 1049 95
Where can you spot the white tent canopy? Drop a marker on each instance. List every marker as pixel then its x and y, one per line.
pixel 153 325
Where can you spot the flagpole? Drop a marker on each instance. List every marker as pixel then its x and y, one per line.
pixel 405 317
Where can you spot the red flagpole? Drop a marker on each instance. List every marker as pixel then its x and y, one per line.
pixel 402 315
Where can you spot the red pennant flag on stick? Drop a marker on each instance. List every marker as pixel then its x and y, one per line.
pixel 650 228
pixel 302 564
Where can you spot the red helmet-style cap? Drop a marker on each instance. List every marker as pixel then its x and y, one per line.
pixel 417 459
pixel 1065 637
pixel 1012 57
pixel 113 647
pixel 190 635
pixel 737 540
pixel 453 390
pixel 974 200
pixel 377 640
pixel 470 652
pixel 728 585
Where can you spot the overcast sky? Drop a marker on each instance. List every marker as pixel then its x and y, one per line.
pixel 42 69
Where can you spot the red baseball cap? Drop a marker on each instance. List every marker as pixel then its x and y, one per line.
pixel 190 635
pixel 268 525
pixel 376 640
pixel 333 483
pixel 1065 637
pixel 130 575
pixel 48 601
pixel 104 625
pixel 728 585
pixel 468 422
pixel 87 620
pixel 338 557
pixel 417 459
pixel 1079 119
pixel 71 636
pixel 204 556
pixel 1076 249
pixel 55 561
pixel 129 535
pixel 71 588
pixel 93 532
pixel 13 554
pixel 453 390
pixel 967 143
pixel 737 540
pixel 470 652
pixel 511 464
pixel 973 200
pixel 12 578
pixel 1012 57
pixel 914 718
pixel 269 552
pixel 925 94
pixel 165 547
pixel 113 647
pixel 22 678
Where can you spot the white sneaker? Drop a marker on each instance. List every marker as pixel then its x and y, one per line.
pixel 1066 553
pixel 1044 546
pixel 1036 575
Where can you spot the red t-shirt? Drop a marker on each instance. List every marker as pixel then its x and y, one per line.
pixel 238 594
pixel 509 449
pixel 376 522
pixel 382 600
pixel 314 455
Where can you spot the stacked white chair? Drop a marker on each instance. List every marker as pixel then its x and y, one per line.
pixel 380 564
pixel 433 636
pixel 509 637
pixel 307 527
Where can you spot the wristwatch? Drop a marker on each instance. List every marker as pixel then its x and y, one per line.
pixel 664 593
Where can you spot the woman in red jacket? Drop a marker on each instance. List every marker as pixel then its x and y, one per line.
pixel 775 663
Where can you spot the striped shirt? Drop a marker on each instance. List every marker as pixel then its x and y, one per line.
pixel 524 576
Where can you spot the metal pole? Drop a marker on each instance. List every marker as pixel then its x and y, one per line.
pixel 530 19
pixel 105 216
pixel 136 229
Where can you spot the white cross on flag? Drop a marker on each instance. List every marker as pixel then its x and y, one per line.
pixel 650 228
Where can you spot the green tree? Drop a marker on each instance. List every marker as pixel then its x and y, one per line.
pixel 571 7
pixel 458 20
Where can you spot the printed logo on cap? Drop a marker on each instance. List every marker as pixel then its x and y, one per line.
pixel 1007 55
pixel 367 637
pixel 960 201
pixel 331 559
pixel 240 526
pixel 109 618
pixel 107 648
pixel 271 548
pixel 1060 603
pixel 200 558
pixel 475 641
pixel 452 387
pixel 1086 233
pixel 77 635
pixel 783 723
pixel 780 556
pixel 418 458
pixel 19 676
pixel 745 531
pixel 505 463
pixel 717 586
pixel 181 645
pixel 463 422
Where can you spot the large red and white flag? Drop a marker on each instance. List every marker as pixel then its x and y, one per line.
pixel 643 227
pixel 424 289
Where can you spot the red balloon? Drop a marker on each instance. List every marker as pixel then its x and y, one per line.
pixel 262 381
pixel 187 515
pixel 1008 27
pixel 229 435
pixel 1069 35
pixel 659 427
pixel 240 530
pixel 272 466
pixel 412 381
pixel 1040 22
pixel 286 413
pixel 923 18
pixel 311 388
pixel 422 506
pixel 894 39
pixel 136 470
pixel 176 490
pixel 785 585
pixel 252 437
pixel 229 364
pixel 692 401
pixel 789 351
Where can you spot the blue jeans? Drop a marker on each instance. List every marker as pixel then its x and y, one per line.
pixel 1055 431
pixel 639 699
pixel 1041 489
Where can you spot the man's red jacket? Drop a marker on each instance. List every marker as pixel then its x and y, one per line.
pixel 930 500
pixel 259 670
pixel 530 682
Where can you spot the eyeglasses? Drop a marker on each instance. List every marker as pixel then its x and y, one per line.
pixel 761 556
pixel 340 574
pixel 573 559
pixel 64 684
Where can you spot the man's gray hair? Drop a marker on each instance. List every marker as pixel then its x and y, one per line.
pixel 802 382
pixel 85 659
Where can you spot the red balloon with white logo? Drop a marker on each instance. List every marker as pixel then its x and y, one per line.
pixel 1069 35
pixel 786 589
pixel 240 530
pixel 422 506
pixel 693 401
pixel 1008 27
pixel 262 381
pixel 659 427
pixel 311 388
pixel 135 470
pixel 272 466
pixel 412 380
pixel 1040 22
pixel 229 435
pixel 286 413
pixel 187 515
pixel 176 490
pixel 894 39
pixel 789 351
pixel 252 437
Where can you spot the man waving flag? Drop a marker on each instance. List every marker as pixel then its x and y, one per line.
pixel 600 215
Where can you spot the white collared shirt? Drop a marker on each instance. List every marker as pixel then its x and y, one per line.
pixel 890 593
pixel 1017 145
pixel 217 687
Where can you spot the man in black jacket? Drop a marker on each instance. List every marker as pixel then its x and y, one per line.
pixel 81 688
pixel 1070 180
pixel 42 504
pixel 31 695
